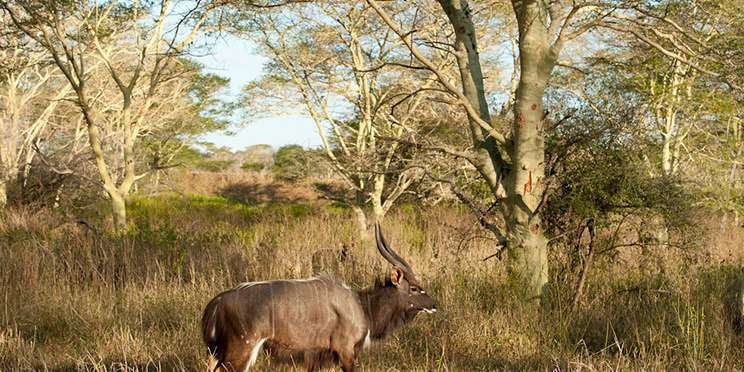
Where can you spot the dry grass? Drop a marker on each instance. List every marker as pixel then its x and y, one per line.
pixel 73 299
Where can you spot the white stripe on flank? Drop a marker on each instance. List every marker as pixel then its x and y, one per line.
pixel 214 321
pixel 254 353
pixel 251 284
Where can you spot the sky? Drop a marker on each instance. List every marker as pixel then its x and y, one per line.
pixel 235 59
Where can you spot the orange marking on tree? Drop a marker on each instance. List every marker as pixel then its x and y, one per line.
pixel 528 184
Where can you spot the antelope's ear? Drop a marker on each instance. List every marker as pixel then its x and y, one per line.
pixel 396 276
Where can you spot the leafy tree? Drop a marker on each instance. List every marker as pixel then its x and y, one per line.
pixel 290 163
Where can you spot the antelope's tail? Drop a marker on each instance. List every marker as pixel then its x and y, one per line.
pixel 211 333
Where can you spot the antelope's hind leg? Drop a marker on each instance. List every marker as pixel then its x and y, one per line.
pixel 346 353
pixel 242 357
pixel 213 364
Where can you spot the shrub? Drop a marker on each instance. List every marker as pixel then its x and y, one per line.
pixel 252 167
pixel 214 165
pixel 290 163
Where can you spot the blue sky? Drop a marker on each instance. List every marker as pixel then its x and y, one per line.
pixel 235 59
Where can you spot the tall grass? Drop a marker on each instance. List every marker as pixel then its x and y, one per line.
pixel 78 299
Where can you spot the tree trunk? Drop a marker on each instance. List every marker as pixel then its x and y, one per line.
pixel 525 182
pixel 666 155
pixel 525 187
pixel 7 178
pixel 117 195
pixel 489 160
pixel 378 211
pixel 365 223
pixel 586 265
pixel 119 212
pixel 3 194
pixel 528 254
pixel 523 179
pixel 362 226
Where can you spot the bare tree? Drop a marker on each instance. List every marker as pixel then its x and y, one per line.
pixel 347 72
pixel 30 90
pixel 80 35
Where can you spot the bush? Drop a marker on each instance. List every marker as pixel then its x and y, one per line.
pixel 252 167
pixel 599 176
pixel 214 165
pixel 290 163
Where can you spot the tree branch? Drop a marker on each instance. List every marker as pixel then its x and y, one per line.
pixel 471 111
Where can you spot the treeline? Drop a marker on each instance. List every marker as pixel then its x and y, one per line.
pixel 290 163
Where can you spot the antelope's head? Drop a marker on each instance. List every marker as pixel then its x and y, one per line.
pixel 411 296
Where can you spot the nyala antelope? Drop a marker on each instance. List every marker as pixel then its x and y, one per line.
pixel 313 321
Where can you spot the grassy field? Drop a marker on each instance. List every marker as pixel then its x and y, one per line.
pixel 78 299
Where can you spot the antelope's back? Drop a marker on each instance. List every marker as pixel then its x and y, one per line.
pixel 302 313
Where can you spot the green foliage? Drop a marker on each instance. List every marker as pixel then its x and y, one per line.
pixel 252 167
pixel 204 112
pixel 214 165
pixel 641 79
pixel 408 208
pixel 336 209
pixel 599 165
pixel 298 210
pixel 161 207
pixel 603 181
pixel 290 163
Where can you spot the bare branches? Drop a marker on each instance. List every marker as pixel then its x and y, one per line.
pixel 436 148
pixel 691 35
pixel 355 66
pixel 462 100
pixel 667 52
pixel 63 172
pixel 474 208
pixel 386 64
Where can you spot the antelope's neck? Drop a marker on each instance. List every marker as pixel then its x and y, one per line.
pixel 382 310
